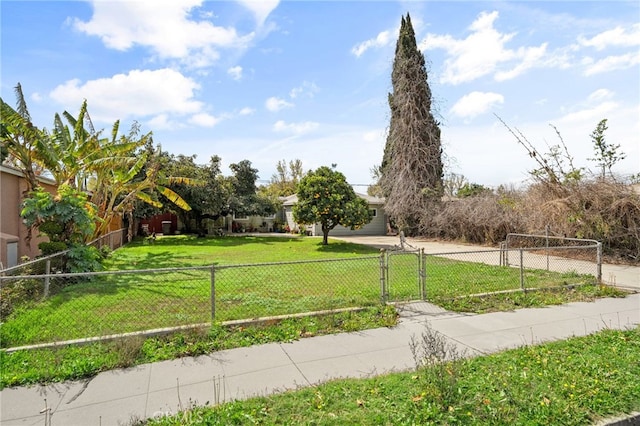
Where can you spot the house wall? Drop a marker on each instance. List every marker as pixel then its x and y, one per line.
pixel 253 224
pixel 13 233
pixel 377 226
pixel 154 224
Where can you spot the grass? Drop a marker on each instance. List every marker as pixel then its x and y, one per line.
pixel 75 362
pixel 110 304
pixel 530 299
pixel 572 382
pixel 122 303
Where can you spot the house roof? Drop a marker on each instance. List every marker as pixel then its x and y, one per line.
pixel 292 199
pixel 6 168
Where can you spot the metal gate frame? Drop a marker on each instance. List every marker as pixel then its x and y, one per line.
pixel 386 265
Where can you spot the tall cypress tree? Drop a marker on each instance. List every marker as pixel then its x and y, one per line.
pixel 411 169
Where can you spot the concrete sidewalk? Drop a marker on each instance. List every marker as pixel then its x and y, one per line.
pixel 162 388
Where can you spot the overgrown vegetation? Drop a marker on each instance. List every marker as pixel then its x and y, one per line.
pixel 572 382
pixel 76 362
pixel 563 197
pixel 410 175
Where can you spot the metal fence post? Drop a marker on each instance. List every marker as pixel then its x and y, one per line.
pixel 423 274
pixel 546 238
pixel 506 251
pixel 213 293
pixel 383 287
pixel 599 262
pixel 47 278
pixel 522 270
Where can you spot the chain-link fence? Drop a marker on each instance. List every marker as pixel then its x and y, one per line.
pixel 106 303
pixel 450 275
pixel 42 308
pixel 56 262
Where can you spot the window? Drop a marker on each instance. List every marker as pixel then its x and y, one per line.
pixel 240 216
pixel 273 216
pixel 374 212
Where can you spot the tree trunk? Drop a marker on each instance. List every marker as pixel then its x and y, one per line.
pixel 325 237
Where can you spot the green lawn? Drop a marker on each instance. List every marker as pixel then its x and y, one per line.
pixel 573 382
pixel 125 302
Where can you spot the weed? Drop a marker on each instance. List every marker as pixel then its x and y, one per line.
pixel 436 362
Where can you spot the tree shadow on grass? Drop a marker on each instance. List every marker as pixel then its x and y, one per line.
pixel 223 241
pixel 338 246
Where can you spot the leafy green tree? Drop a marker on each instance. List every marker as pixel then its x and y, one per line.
pixel 245 200
pixel 285 180
pixel 473 190
pixel 606 154
pixel 210 200
pixel 325 197
pixel 68 219
pixel 411 170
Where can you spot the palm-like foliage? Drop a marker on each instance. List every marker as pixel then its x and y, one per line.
pixel 139 176
pixel 20 138
pixel 114 170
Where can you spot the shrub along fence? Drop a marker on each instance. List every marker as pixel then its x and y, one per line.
pixel 55 262
pixel 45 308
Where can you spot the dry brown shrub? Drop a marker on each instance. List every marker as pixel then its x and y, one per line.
pixel 485 219
pixel 606 211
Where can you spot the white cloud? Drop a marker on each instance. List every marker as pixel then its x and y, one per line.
pixel 619 37
pixel 590 114
pixel 261 9
pixel 235 72
pixel 274 104
pixel 246 111
pixel 611 63
pixel 476 103
pixel 204 120
pixel 530 57
pixel 600 94
pixel 140 93
pixel 295 128
pixel 381 40
pixel 373 135
pixel 306 89
pixel 484 50
pixel 165 27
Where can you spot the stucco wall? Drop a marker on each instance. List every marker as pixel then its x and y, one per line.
pixel 12 185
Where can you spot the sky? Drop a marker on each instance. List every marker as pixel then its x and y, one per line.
pixel 282 80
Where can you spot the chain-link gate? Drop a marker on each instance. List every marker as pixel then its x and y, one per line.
pixel 404 275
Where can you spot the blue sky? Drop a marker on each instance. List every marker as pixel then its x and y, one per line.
pixel 269 80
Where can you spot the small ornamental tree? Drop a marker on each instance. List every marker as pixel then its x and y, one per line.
pixel 68 219
pixel 325 197
pixel 606 154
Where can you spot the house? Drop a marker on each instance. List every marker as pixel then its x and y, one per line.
pixel 377 226
pixel 13 233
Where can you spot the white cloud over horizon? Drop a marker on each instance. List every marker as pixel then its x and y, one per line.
pixel 381 40
pixel 134 94
pixel 295 128
pixel 169 31
pixel 476 103
pixel 235 72
pixel 275 104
